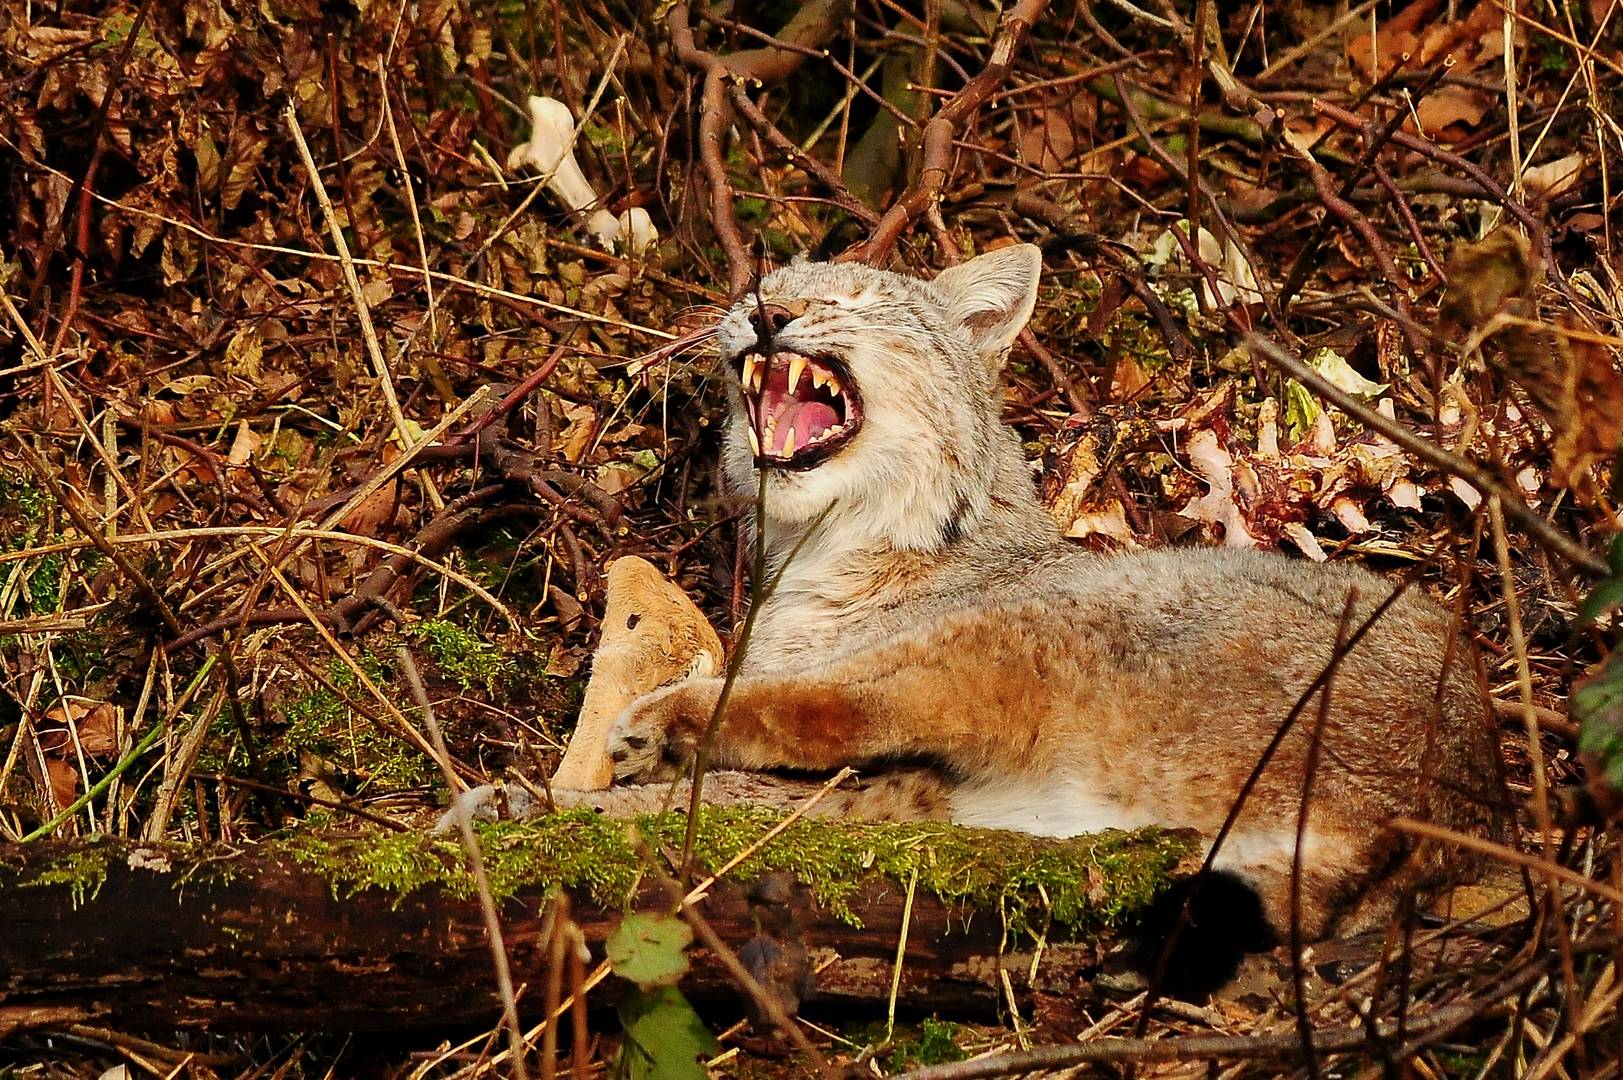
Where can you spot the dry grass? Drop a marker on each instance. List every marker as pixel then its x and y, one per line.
pixel 257 362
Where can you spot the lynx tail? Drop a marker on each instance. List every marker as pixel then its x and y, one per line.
pixel 652 635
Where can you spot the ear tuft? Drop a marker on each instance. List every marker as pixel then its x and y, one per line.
pixel 991 296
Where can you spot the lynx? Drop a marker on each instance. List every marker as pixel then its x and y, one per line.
pixel 932 625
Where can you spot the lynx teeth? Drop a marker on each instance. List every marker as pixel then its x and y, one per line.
pixel 797 367
pixel 788 450
pixel 754 373
pixel 755 442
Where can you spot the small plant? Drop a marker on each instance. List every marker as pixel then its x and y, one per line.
pixel 664 1037
pixel 463 656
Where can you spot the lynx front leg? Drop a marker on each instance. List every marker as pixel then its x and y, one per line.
pixel 768 724
pixel 935 698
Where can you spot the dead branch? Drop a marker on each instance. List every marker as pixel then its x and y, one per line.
pixel 260 940
pixel 942 129
pixel 812 25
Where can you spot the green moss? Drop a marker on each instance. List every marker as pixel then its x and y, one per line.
pixel 82 870
pixel 935 1042
pixel 319 723
pixel 1135 335
pixel 24 508
pixel 463 655
pixel 1084 883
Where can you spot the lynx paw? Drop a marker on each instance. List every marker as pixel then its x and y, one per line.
pixel 655 737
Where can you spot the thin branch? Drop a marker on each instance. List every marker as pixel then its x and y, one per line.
pixel 943 128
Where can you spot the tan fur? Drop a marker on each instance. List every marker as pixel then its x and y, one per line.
pixel 933 617
pixel 652 635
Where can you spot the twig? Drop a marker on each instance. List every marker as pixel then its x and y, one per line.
pixel 305 798
pixel 81 183
pixel 1509 855
pixel 97 538
pixel 130 758
pixel 1487 184
pixel 363 310
pixel 814 167
pixel 771 64
pixel 943 128
pixel 1315 747
pixel 407 728
pixel 1437 1024
pixel 1524 676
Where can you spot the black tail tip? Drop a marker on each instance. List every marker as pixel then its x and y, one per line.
pixel 1225 923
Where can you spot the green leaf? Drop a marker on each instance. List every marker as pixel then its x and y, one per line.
pixel 665 1039
pixel 1607 597
pixel 1301 410
pixel 647 949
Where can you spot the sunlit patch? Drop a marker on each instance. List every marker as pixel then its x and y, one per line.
pixel 801 408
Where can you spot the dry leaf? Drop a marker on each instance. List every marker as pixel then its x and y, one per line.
pixel 1542 183
pixel 64 781
pixel 373 512
pixel 243 446
pixel 95 722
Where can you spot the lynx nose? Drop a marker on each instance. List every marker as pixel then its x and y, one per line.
pixel 770 319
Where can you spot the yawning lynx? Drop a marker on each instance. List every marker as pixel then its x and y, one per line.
pixel 935 622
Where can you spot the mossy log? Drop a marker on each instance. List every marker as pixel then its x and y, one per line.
pixel 320 931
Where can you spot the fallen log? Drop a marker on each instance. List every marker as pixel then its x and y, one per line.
pixel 328 932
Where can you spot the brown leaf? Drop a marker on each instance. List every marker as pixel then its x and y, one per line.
pixel 95 722
pixel 64 781
pixel 1398 35
pixel 1447 106
pixel 373 512
pixel 1492 276
pixel 1555 178
pixel 1569 372
pixel 1591 406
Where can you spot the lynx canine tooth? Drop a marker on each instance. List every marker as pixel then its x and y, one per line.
pixel 755 443
pixel 752 364
pixel 788 450
pixel 797 367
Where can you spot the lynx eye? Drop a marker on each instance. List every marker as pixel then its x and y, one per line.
pixel 800 408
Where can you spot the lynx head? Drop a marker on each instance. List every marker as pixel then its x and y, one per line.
pixel 874 392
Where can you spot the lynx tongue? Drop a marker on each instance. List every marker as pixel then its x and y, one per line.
pixel 808 420
pixel 798 416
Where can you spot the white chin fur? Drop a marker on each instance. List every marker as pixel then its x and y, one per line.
pixel 872 484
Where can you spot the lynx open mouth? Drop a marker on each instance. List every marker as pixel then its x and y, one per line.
pixel 801 408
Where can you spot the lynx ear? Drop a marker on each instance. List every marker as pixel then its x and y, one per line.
pixel 992 295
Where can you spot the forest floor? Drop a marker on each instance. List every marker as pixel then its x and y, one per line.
pixel 296 369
